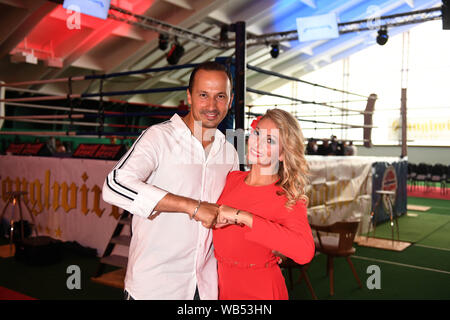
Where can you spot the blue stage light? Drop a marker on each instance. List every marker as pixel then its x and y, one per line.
pixel 382 37
pixel 275 50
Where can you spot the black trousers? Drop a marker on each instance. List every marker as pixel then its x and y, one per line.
pixel 196 295
pixel 127 296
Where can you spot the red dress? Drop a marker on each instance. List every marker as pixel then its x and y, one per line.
pixel 247 268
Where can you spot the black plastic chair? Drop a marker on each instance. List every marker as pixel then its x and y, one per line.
pixel 412 173
pixel 447 177
pixel 423 174
pixel 438 175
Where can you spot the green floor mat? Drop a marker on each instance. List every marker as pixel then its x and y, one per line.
pixel 413 228
pixel 438 206
pixel 50 282
pixel 422 257
pixel 398 281
pixel 439 238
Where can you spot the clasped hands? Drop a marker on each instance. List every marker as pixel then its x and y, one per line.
pixel 212 215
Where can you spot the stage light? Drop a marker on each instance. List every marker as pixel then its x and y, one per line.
pixel 22 56
pixel 175 53
pixel 53 62
pixel 382 37
pixel 163 41
pixel 275 50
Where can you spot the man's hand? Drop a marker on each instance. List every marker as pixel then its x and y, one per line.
pixel 207 214
pixel 281 257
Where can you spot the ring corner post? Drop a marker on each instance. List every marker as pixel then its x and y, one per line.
pixel 404 124
pixel 240 91
pixel 368 114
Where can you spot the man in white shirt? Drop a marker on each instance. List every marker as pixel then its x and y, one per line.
pixel 170 180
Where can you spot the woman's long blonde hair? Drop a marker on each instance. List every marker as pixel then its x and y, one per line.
pixel 294 169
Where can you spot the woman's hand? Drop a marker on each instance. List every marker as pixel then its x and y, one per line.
pixel 228 215
pixel 225 216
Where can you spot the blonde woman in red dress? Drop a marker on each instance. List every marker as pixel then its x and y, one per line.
pixel 263 213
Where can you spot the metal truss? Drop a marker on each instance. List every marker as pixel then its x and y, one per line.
pixel 147 23
pixel 374 23
pixel 163 27
pixel 394 20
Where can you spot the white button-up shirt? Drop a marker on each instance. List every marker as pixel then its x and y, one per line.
pixel 169 253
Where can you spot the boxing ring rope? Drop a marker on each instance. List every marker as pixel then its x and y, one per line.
pixel 61 116
pixel 335 125
pixel 101 94
pixel 121 114
pixel 77 123
pixel 80 116
pixel 41 119
pixel 144 104
pixel 282 76
pixel 312 118
pixel 261 92
pixel 344 125
pixel 93 114
pixel 327 115
pixel 97 94
pixel 99 114
pixel 290 104
pixel 91 134
pixel 98 76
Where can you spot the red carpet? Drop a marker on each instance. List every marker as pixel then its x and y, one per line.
pixel 431 192
pixel 7 294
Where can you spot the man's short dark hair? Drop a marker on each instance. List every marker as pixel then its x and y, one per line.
pixel 209 66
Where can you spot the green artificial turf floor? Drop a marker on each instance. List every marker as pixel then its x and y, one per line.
pixel 422 271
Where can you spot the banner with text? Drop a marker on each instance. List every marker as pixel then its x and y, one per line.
pixel 64 195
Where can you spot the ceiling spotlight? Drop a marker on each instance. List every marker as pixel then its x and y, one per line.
pixel 175 53
pixel 22 56
pixel 163 41
pixel 275 50
pixel 382 37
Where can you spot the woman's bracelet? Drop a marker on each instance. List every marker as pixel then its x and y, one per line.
pixel 196 209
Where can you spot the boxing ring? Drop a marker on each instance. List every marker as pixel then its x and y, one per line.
pixel 66 192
